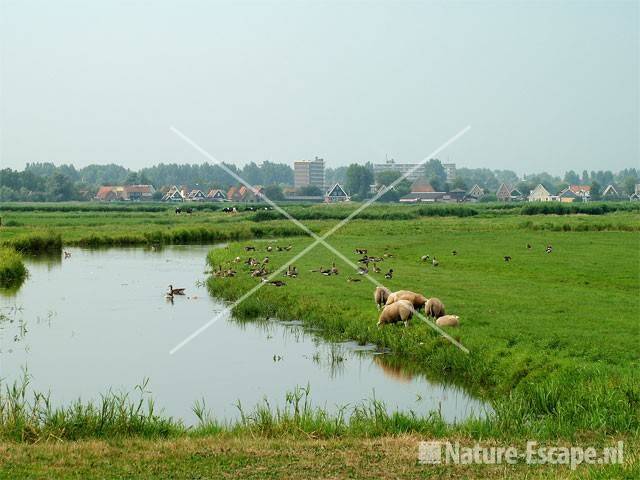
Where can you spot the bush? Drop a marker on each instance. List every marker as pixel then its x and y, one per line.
pixel 12 269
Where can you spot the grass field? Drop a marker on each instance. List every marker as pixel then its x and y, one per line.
pixel 552 337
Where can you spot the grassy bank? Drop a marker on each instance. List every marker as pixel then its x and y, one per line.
pixel 12 269
pixel 544 343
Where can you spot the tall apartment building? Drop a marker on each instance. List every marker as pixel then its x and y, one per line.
pixel 391 165
pixel 450 168
pixel 309 172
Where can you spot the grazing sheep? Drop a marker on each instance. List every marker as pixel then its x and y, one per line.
pixel 417 300
pixel 400 311
pixel 380 295
pixel 448 321
pixel 434 308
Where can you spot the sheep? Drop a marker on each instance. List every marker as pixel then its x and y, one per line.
pixel 380 296
pixel 448 321
pixel 416 299
pixel 434 308
pixel 400 311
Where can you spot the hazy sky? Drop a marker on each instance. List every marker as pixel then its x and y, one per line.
pixel 544 86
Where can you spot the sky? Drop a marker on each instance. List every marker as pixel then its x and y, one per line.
pixel 544 86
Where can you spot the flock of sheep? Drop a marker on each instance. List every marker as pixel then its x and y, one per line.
pixel 400 306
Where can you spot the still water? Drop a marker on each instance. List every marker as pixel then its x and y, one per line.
pixel 99 320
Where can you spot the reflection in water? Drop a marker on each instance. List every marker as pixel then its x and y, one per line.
pixel 393 369
pixel 99 320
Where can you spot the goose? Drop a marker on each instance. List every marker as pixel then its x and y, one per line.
pixel 528 246
pixel 424 258
pixel 361 251
pixel 454 253
pixel 549 249
pixel 265 260
pixel 269 248
pixel 325 271
pixel 376 268
pixel 435 262
pixel 317 270
pixel 351 279
pixel 388 255
pixel 507 258
pixel 389 274
pixel 67 254
pixel 275 283
pixel 176 291
pixel 249 248
pixel 363 270
pixel 334 270
pixel 288 247
pixel 237 259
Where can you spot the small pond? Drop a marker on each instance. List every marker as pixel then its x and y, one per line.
pixel 99 320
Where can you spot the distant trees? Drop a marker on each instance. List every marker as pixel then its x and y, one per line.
pixel 310 191
pixel 358 181
pixel 273 192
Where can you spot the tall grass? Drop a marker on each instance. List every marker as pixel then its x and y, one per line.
pixel 12 269
pixel 31 416
pixel 35 243
pixel 591 208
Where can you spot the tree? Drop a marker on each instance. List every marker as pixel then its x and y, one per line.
pixel 585 177
pixel 571 178
pixel 359 180
pixel 60 188
pixel 435 173
pixel 273 192
pixel 459 184
pixel 309 191
pixel 629 185
pixel 595 191
pixel 387 177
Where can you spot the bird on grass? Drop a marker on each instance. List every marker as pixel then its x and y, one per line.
pixel 507 258
pixel 454 253
pixel 363 270
pixel 435 262
pixel 528 246
pixel 389 274
pixel 424 258
pixel 351 279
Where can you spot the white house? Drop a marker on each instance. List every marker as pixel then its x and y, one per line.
pixel 336 194
pixel 541 194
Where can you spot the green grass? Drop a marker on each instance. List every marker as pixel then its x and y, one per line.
pixel 553 337
pixel 12 269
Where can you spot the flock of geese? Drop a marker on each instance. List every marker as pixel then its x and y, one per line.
pixel 256 268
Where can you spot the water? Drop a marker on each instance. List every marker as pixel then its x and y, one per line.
pixel 100 320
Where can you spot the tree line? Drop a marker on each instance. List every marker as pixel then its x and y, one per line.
pixel 49 182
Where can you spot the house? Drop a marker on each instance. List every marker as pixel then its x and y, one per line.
pixel 111 193
pixel 336 194
pixel 610 193
pixel 541 194
pixel 249 195
pixel 456 195
pixel 635 196
pixel 567 196
pixel 476 192
pixel 508 193
pixel 196 195
pixel 138 193
pixel 582 191
pixel 421 185
pixel 233 194
pixel 216 195
pixel 173 195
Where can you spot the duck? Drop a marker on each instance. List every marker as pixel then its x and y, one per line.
pixel 176 291
pixel 389 274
